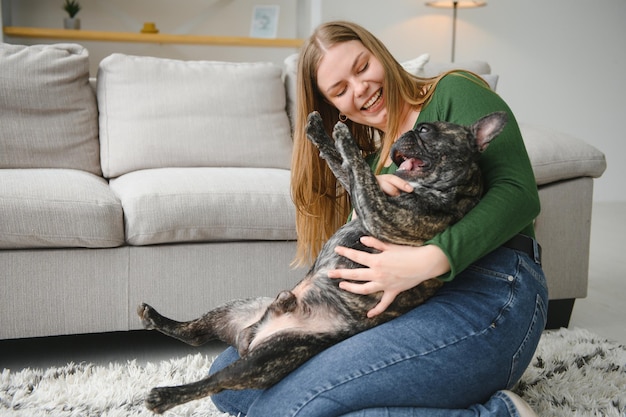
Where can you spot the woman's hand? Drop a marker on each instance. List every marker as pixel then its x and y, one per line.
pixel 395 269
pixel 393 185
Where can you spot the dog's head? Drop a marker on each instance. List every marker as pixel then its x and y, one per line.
pixel 439 153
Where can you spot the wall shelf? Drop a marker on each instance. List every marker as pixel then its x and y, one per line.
pixel 162 38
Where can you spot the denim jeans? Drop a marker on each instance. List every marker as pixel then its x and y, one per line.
pixel 450 356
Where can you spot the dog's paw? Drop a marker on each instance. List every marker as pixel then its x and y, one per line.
pixel 148 315
pixel 314 121
pixel 315 130
pixel 344 142
pixel 159 400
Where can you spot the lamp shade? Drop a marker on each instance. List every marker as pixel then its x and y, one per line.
pixel 461 4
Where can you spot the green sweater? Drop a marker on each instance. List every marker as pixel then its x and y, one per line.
pixel 511 201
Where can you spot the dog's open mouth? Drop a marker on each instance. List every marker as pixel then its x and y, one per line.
pixel 406 163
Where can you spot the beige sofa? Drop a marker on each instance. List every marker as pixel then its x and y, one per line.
pixel 168 182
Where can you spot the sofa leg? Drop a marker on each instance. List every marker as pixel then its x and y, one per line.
pixel 559 313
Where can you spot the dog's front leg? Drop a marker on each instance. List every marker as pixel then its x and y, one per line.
pixel 367 197
pixel 224 323
pixel 392 219
pixel 316 133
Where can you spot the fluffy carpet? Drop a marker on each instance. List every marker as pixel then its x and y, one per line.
pixel 574 374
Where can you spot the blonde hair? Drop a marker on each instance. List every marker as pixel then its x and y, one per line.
pixel 322 206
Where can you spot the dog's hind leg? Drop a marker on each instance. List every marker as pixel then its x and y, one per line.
pixel 224 323
pixel 263 367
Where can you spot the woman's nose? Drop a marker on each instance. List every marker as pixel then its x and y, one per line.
pixel 360 87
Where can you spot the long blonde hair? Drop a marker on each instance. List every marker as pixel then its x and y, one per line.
pixel 322 206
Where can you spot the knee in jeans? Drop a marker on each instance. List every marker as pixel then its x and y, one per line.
pixel 527 348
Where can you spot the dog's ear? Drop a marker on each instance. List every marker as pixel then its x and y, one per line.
pixel 487 128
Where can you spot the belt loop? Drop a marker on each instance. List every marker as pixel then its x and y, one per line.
pixel 536 252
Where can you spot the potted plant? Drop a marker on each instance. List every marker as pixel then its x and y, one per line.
pixel 72 7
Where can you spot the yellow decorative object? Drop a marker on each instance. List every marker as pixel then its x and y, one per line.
pixel 149 27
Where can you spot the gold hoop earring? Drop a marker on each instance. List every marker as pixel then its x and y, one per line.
pixel 343 118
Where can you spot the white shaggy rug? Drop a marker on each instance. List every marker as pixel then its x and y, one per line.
pixel 574 374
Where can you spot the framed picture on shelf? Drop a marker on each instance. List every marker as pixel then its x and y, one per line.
pixel 264 22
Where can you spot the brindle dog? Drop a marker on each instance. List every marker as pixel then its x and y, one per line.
pixel 275 336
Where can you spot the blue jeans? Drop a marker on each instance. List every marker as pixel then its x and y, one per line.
pixel 450 356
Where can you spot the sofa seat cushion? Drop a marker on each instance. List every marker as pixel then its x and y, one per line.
pixel 556 156
pixel 168 205
pixel 48 110
pixel 165 113
pixel 58 208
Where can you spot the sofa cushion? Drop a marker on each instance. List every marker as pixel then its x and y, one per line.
pixel 422 67
pixel 55 208
pixel 159 113
pixel 201 204
pixel 557 156
pixel 48 112
pixel 432 69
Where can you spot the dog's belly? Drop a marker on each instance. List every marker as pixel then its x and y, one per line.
pixel 318 322
pixel 323 308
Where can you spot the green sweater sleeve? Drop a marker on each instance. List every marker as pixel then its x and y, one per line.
pixel 511 201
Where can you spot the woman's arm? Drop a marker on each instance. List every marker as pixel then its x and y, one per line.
pixel 511 200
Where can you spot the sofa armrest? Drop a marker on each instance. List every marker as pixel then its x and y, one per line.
pixel 557 156
pixel 564 168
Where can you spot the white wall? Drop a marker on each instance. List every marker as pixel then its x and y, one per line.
pixel 199 17
pixel 560 62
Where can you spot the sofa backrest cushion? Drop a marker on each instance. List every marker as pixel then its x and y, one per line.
pixel 558 156
pixel 48 112
pixel 159 113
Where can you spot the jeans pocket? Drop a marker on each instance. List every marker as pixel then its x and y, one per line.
pixel 526 350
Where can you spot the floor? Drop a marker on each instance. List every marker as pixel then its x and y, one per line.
pixel 602 312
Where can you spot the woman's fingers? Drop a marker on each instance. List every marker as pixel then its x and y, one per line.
pixel 393 185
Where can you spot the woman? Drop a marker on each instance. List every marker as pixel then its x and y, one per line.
pixel 457 354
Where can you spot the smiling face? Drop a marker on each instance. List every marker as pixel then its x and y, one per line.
pixel 351 78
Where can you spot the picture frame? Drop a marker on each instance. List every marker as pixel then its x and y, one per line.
pixel 265 21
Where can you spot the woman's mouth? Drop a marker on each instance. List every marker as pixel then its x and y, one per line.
pixel 373 100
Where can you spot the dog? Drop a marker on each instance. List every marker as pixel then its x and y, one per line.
pixel 275 336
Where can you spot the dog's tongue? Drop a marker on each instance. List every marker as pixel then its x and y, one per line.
pixel 410 164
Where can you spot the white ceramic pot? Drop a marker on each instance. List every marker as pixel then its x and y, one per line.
pixel 71 23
